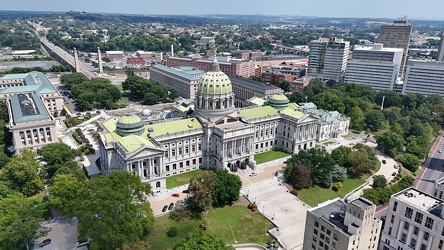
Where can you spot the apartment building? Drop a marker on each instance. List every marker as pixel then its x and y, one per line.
pixel 414 221
pixel 424 77
pixel 342 225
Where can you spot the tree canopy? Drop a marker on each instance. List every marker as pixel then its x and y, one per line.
pixel 200 240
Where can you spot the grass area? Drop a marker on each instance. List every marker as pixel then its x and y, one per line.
pixel 123 100
pixel 328 142
pixel 315 195
pixel 377 167
pixel 158 238
pixel 39 196
pixel 229 223
pixel 269 156
pixel 237 223
pixel 181 179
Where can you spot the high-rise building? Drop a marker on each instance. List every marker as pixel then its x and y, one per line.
pixel 424 77
pixel 375 66
pixel 396 35
pixel 342 225
pixel 440 57
pixel 328 58
pixel 414 221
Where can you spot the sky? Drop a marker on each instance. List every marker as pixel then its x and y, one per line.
pixel 413 9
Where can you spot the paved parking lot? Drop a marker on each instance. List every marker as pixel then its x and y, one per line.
pixel 63 236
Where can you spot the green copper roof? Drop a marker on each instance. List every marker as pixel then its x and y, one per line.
pixel 263 111
pixel 279 97
pixel 129 119
pixel 215 83
pixel 170 127
pixel 33 82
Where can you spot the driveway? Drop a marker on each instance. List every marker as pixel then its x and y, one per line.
pixel 63 235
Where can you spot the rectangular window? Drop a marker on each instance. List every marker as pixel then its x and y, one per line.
pixel 426 236
pixel 403 238
pixel 390 231
pixel 429 223
pixel 406 225
pixel 418 217
pixel 315 232
pixel 423 247
pixel 415 230
pixel 328 232
pixel 408 212
pixel 316 224
pixel 440 244
pixel 392 219
pixel 395 206
pixel 322 228
pixel 412 243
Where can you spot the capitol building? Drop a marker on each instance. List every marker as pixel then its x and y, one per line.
pixel 218 136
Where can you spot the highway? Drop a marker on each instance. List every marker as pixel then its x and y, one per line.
pixel 434 168
pixel 86 70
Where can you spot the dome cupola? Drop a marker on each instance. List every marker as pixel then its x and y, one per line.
pixel 129 124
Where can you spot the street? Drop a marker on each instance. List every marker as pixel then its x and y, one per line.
pixel 433 168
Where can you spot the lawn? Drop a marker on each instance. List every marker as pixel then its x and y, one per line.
pixel 315 195
pixel 229 223
pixel 269 156
pixel 158 238
pixel 328 142
pixel 237 223
pixel 181 179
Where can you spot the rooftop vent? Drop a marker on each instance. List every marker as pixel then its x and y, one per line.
pixel 150 130
pixel 190 125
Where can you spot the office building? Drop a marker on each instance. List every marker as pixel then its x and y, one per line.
pixel 32 100
pixel 276 78
pixel 396 35
pixel 342 225
pixel 440 57
pixel 375 66
pixel 219 136
pixel 245 89
pixel 414 221
pixel 328 58
pixel 233 68
pixel 424 78
pixel 184 79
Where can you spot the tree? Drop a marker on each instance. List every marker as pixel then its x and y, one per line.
pixel 55 154
pixel 64 192
pixel 390 143
pixel 256 78
pixel 20 222
pixel 285 85
pixel 21 173
pixel 374 118
pixel 114 210
pixel 379 181
pixel 338 173
pixel 359 163
pixel 357 118
pixel 300 177
pixel 200 240
pixel 410 161
pixel 200 187
pixel 340 155
pixel 226 188
pixel 173 94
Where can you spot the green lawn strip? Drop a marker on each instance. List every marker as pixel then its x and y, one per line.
pixel 240 224
pixel 181 179
pixel 269 156
pixel 328 142
pixel 315 195
pixel 157 237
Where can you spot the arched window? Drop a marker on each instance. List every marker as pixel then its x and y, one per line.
pixel 158 184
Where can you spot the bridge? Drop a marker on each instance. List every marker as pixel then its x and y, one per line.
pixel 66 59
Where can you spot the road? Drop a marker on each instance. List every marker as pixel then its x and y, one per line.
pixel 86 70
pixel 434 168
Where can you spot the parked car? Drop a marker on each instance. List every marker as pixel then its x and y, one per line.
pixel 384 162
pixel 253 174
pixel 395 166
pixel 186 191
pixel 175 195
pixel 45 242
pixel 440 151
pixel 164 209
pixel 394 174
pixel 182 203
pixel 171 206
pixel 276 173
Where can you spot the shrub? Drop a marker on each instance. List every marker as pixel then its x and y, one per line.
pixel 172 232
pixel 294 192
pixel 180 214
pixel 252 207
pixel 337 186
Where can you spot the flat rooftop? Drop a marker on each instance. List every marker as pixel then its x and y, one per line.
pixel 28 107
pixel 183 74
pixel 426 64
pixel 418 199
pixel 252 84
pixel 256 112
pixel 332 211
pixel 33 82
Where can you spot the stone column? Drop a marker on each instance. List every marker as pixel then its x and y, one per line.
pixel 140 169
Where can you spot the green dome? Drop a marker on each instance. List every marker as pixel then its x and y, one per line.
pixel 278 101
pixel 129 124
pixel 215 83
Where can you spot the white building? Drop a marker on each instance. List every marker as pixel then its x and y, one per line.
pixel 328 58
pixel 32 100
pixel 425 78
pixel 375 66
pixel 342 225
pixel 414 221
pixel 218 137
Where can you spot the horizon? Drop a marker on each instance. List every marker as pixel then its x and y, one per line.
pixel 379 9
